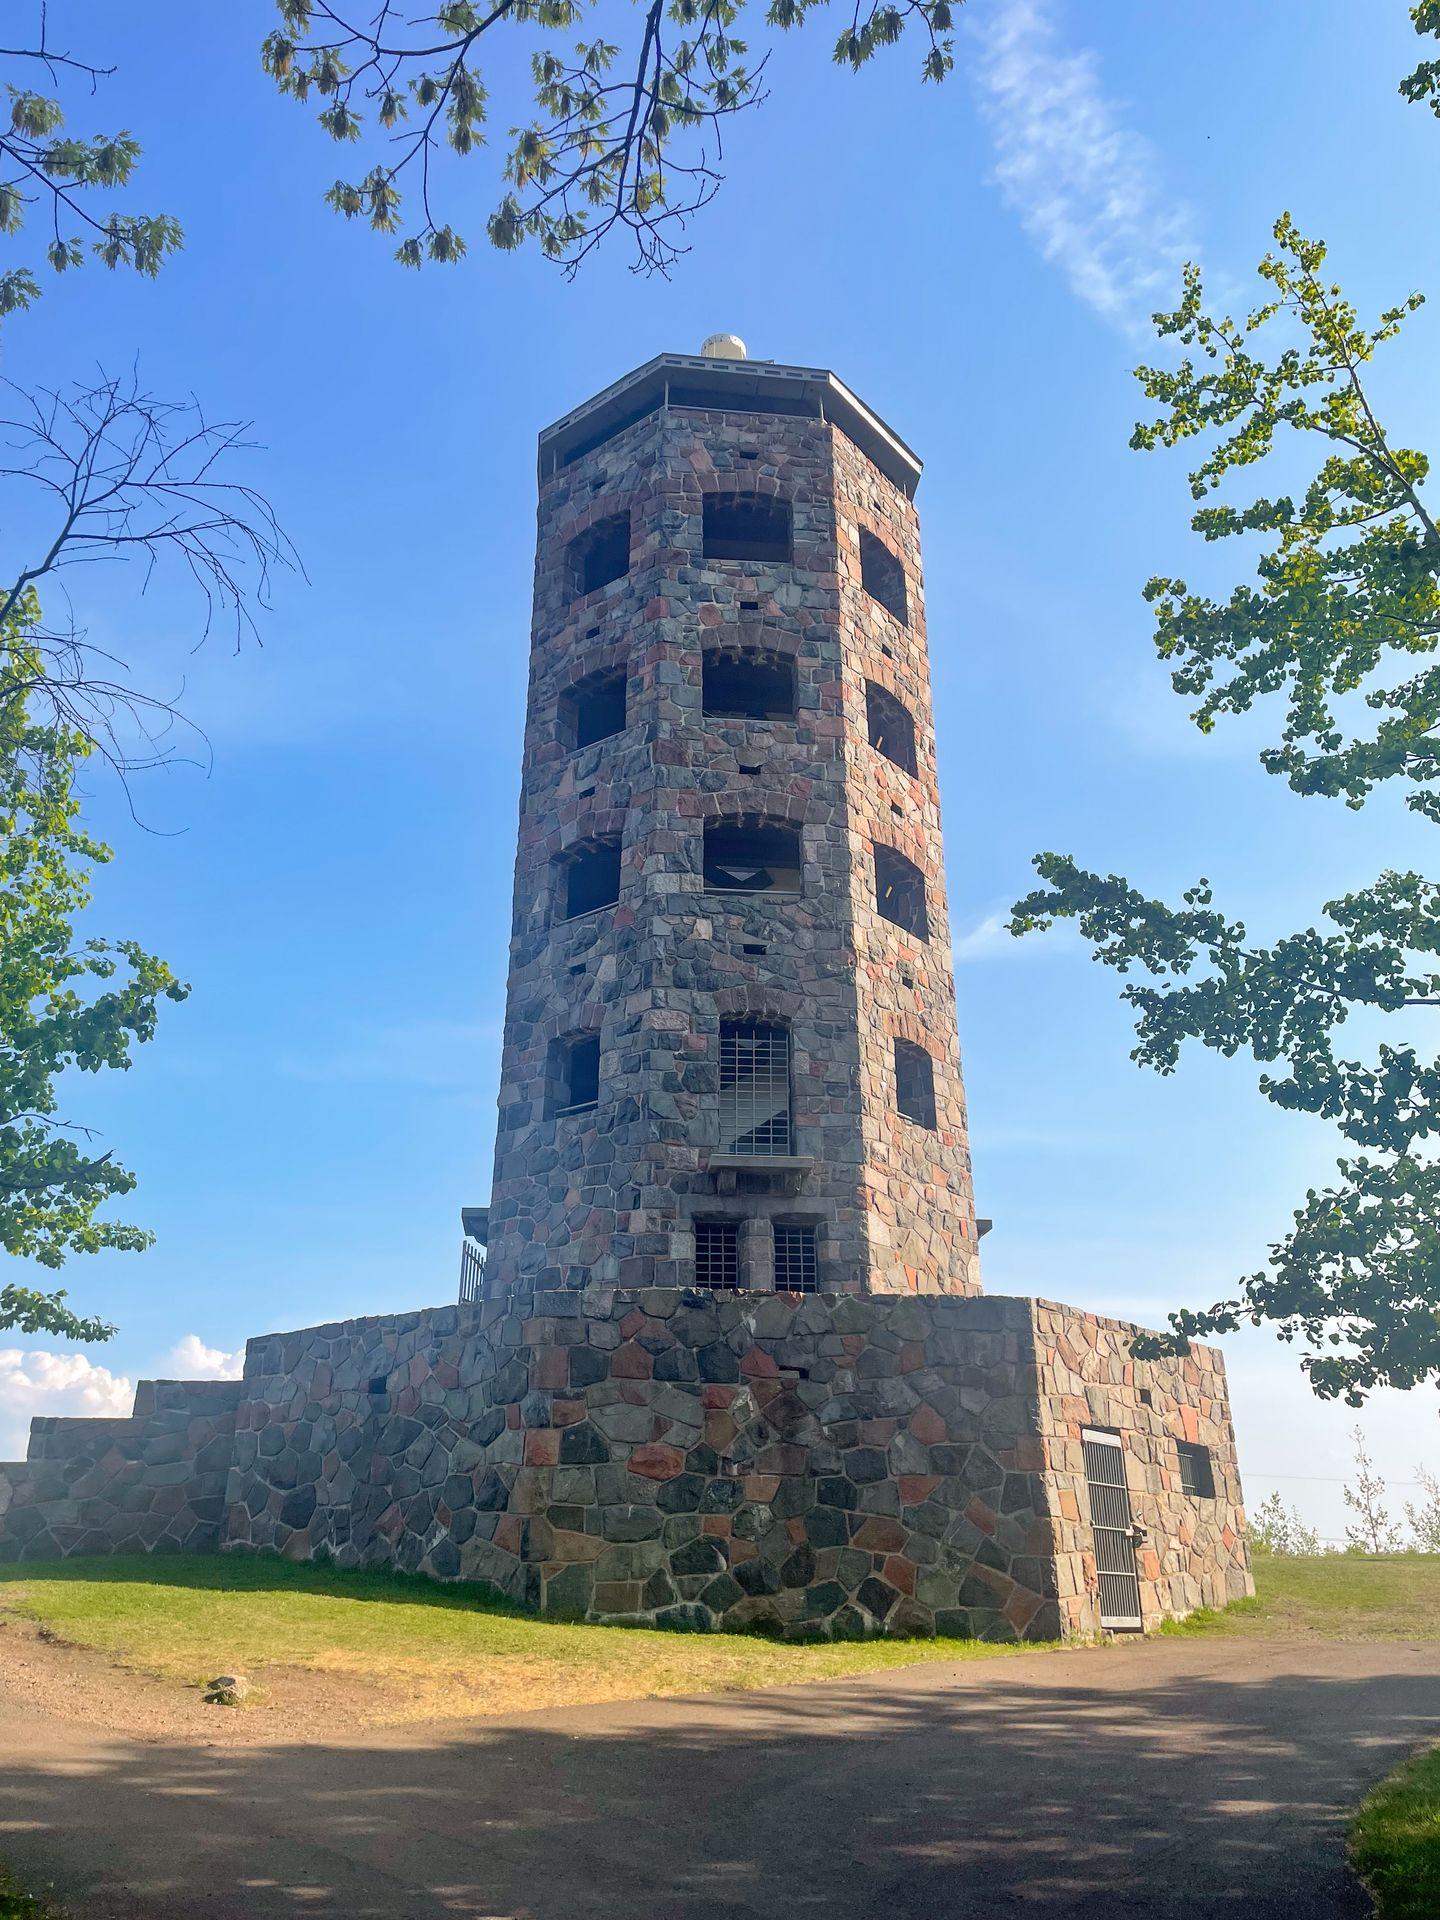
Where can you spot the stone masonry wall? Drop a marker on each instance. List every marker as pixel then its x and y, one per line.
pixel 804 1464
pixel 1197 1552
pixel 153 1483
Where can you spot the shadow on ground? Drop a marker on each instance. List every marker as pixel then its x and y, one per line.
pixel 1166 1779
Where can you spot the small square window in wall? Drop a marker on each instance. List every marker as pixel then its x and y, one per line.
pixel 915 1083
pixel 593 709
pixel 591 879
pixel 891 727
pixel 747 526
pixel 717 1253
pixel 883 577
pixel 573 1079
pixel 900 892
pixel 1197 1476
pixel 796 1266
pixel 600 554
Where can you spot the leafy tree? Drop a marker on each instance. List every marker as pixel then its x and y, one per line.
pixel 64 1003
pixel 617 136
pixel 1280 1529
pixel 70 177
pixel 1373 1531
pixel 1423 85
pixel 1341 623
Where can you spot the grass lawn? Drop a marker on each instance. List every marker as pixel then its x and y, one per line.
pixel 1334 1596
pixel 421 1650
pixel 1395 1841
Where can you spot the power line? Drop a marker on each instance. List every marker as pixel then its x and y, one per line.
pixel 1322 1479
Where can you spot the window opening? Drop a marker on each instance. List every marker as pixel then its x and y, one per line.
pixel 900 892
pixel 747 526
pixel 592 878
pixel 1197 1475
pixel 593 709
pixel 796 1268
pixel 882 576
pixel 892 727
pixel 574 1077
pixel 717 1253
pixel 915 1083
pixel 600 555
pixel 754 1088
pixel 751 859
pixel 747 683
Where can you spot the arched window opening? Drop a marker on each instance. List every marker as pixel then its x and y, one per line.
pixel 883 577
pixel 915 1083
pixel 591 879
pixel 892 728
pixel 600 554
pixel 593 709
pixel 900 892
pixel 754 1089
pixel 572 1080
pixel 747 526
pixel 748 683
pixel 745 858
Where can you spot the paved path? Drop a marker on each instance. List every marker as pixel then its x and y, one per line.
pixel 1194 1778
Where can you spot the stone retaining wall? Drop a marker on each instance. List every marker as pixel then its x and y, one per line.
pixel 153 1483
pixel 813 1465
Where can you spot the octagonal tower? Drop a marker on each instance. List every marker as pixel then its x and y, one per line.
pixel 730 1054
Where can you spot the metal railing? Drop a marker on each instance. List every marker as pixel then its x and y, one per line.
pixel 472 1271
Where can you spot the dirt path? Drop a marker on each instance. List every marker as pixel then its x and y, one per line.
pixel 1192 1778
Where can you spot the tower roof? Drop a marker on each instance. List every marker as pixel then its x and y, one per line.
pixel 758 386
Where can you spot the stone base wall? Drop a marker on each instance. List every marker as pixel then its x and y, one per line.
pixel 812 1465
pixel 154 1483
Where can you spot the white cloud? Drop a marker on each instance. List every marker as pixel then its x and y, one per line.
pixel 37 1380
pixel 191 1359
pixel 1084 185
pixel 989 939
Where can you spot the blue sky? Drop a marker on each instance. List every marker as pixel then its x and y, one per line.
pixel 977 261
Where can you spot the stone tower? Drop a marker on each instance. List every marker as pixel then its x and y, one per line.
pixel 730 1053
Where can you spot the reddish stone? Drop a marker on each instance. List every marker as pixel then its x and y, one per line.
pixel 927 1426
pixel 878 1433
pixel 757 1364
pixel 632 1324
pixel 550 1367
pixel 912 1356
pixel 980 1514
pixel 1191 1420
pixel 566 1413
pixel 762 1487
pixel 900 1573
pixel 509 1532
pixel 915 1487
pixel 542 1447
pixel 717 1525
pixel 654 1462
pixel 631 1363
pixel 716 1397
pixel 879 1534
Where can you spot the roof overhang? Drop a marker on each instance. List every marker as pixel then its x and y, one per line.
pixel 738 386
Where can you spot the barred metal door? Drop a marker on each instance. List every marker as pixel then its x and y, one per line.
pixel 754 1088
pixel 1113 1527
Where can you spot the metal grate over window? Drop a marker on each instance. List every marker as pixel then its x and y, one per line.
pixel 796 1270
pixel 754 1088
pixel 717 1253
pixel 1111 1522
pixel 1197 1476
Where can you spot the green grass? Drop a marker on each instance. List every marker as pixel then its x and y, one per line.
pixel 417 1649
pixel 1395 1841
pixel 1334 1596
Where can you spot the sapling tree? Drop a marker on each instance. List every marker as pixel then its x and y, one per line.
pixel 1280 1529
pixel 1340 627
pixel 1373 1531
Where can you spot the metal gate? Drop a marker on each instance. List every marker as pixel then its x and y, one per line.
pixel 1114 1529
